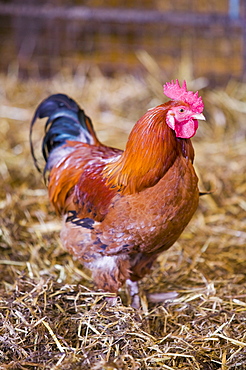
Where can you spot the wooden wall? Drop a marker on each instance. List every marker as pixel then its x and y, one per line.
pixel 42 38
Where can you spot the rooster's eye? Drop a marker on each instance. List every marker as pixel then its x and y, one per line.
pixel 181 110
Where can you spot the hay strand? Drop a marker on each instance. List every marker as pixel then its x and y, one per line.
pixel 51 318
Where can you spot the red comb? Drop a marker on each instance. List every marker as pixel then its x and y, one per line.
pixel 174 91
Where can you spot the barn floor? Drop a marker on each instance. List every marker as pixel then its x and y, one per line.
pixel 51 318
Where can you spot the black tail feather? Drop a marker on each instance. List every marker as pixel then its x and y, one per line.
pixel 66 121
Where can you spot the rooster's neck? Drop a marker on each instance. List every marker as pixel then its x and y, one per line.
pixel 150 151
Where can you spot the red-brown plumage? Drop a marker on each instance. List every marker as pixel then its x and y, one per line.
pixel 77 180
pixel 122 209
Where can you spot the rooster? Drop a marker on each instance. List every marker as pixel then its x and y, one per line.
pixel 121 209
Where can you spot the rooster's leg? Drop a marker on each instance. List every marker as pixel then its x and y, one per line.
pixel 132 287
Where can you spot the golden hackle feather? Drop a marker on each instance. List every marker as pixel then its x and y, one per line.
pixel 150 151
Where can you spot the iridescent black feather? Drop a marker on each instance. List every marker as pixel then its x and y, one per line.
pixel 66 121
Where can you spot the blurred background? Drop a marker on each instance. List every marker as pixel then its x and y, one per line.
pixel 113 57
pixel 41 38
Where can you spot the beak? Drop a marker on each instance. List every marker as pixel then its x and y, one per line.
pixel 199 116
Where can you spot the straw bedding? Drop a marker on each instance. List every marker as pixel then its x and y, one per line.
pixel 51 317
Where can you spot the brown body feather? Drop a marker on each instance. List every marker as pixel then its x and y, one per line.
pixel 128 206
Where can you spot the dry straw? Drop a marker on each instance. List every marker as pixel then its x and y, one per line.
pixel 51 318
